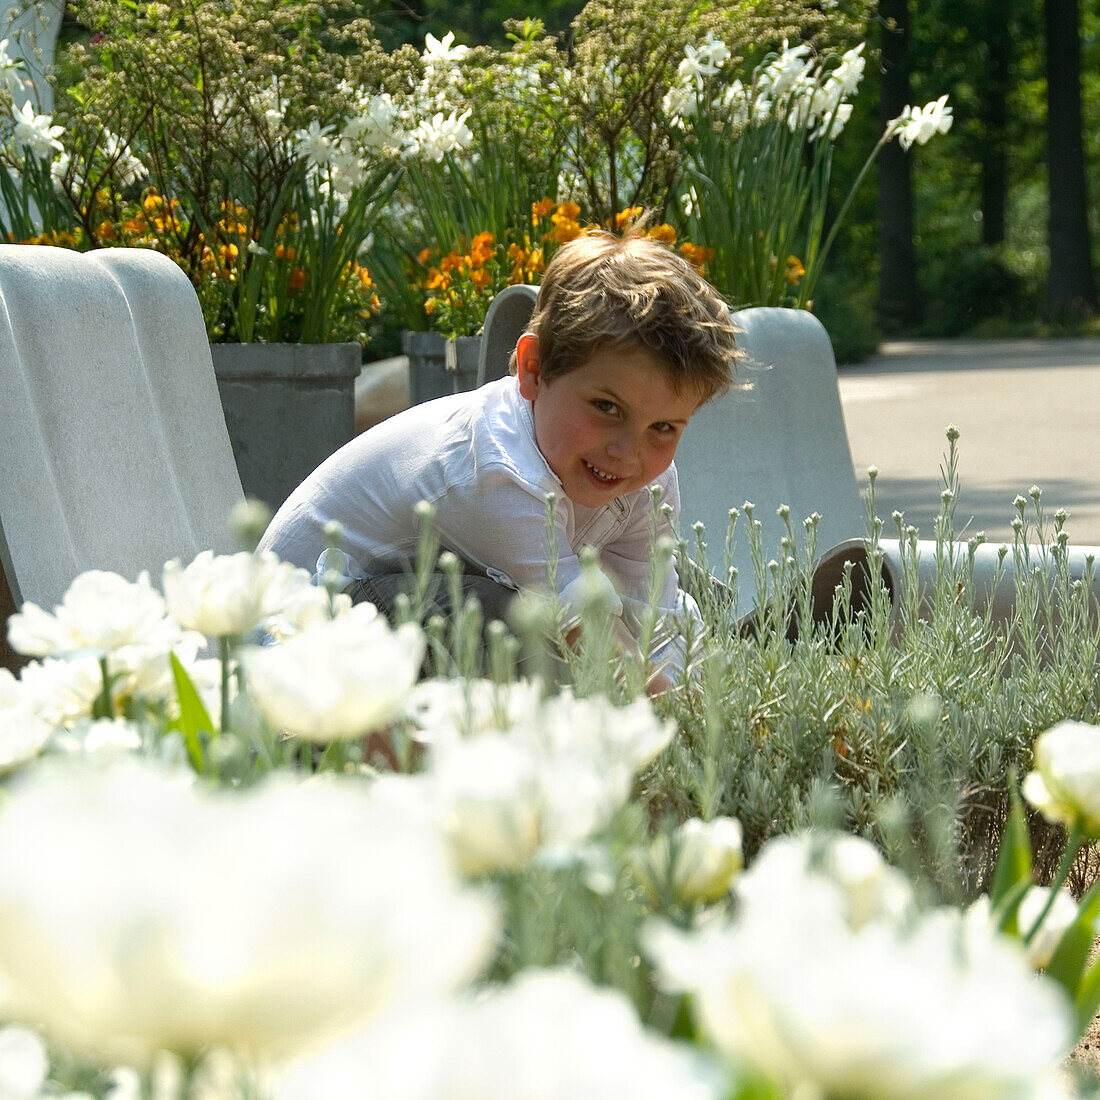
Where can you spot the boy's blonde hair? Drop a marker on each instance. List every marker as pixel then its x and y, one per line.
pixel 601 289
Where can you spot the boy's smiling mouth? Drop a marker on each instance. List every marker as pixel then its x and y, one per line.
pixel 600 475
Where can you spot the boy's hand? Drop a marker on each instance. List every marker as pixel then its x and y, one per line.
pixel 658 684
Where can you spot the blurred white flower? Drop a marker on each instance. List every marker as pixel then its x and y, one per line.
pixel 433 139
pixel 24 728
pixel 1065 785
pixel 848 74
pixel 781 74
pixel 818 1002
pixel 695 863
pixel 832 124
pixel 24 1063
pixel 1045 942
pixel 549 782
pixel 489 799
pixel 546 1035
pixel 11 71
pixel 99 614
pixel 680 101
pixel 340 678
pixel 316 143
pixel 466 707
pixel 60 168
pixel 223 594
pixel 128 167
pixel 700 62
pixel 34 131
pixel 846 872
pixel 375 126
pixel 920 124
pixel 442 53
pixel 149 914
pixel 104 737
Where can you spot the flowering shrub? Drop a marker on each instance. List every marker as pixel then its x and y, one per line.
pixel 460 286
pixel 232 890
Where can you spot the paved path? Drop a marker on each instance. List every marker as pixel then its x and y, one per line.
pixel 1029 414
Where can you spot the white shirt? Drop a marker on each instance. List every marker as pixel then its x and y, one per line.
pixel 473 456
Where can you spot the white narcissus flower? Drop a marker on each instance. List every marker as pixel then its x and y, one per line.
pixel 441 52
pixel 546 1035
pixel 150 914
pixel 341 678
pixel 433 139
pixel 100 613
pixel 920 124
pixel 848 74
pixel 443 708
pixel 890 1010
pixel 316 143
pixel 1065 785
pixel 35 132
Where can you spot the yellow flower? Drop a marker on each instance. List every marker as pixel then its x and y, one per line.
pixel 480 278
pixel 625 217
pixel 424 255
pixel 430 306
pixel 663 233
pixel 794 271
pixel 541 208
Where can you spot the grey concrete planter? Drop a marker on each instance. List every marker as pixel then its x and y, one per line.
pixel 287 408
pixel 438 366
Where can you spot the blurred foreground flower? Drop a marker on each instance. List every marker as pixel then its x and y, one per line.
pixel 545 1036
pixel 533 774
pixel 1065 785
pixel 340 678
pixel 804 990
pixel 695 863
pixel 141 913
pixel 99 614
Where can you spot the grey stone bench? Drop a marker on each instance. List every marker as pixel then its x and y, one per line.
pixel 113 446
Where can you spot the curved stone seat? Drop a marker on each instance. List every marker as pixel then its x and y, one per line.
pixel 113 447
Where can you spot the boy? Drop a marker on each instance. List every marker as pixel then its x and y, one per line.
pixel 626 341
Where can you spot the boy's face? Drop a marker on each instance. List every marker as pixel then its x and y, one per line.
pixel 609 427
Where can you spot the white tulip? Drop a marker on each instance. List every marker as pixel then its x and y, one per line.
pixel 881 1009
pixel 24 729
pixel 544 1036
pixel 140 913
pixel 1065 785
pixel 700 859
pixel 342 678
pixel 99 614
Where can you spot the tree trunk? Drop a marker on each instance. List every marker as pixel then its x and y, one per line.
pixel 899 297
pixel 1071 291
pixel 996 37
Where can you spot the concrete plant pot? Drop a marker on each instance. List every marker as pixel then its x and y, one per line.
pixel 438 366
pixel 287 408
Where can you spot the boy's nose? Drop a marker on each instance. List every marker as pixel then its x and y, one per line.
pixel 623 447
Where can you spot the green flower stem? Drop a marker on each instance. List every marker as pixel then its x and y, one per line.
pixel 104 706
pixel 1073 843
pixel 225 651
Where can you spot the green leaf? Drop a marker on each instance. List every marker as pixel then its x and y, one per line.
pixel 1014 859
pixel 1072 953
pixel 1006 910
pixel 1087 1000
pixel 194 717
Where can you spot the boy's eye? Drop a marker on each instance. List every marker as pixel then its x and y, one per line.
pixel 663 426
pixel 605 406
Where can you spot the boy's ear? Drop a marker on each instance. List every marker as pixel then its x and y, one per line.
pixel 527 365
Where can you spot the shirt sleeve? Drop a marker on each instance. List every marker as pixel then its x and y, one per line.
pixel 500 523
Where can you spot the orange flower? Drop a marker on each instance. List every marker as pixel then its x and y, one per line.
pixel 152 204
pixel 697 254
pixel 437 280
pixel 423 256
pixel 541 208
pixel 480 278
pixel 105 231
pixel 569 211
pixel 794 271
pixel 481 251
pixel 285 252
pixel 663 233
pixel 297 278
pixel 451 262
pixel 135 225
pixel 430 306
pixel 565 226
pixel 630 214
